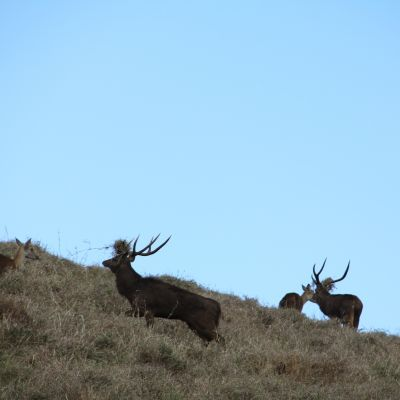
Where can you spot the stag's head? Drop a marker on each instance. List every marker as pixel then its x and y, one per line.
pixel 125 256
pixel 115 263
pixel 323 288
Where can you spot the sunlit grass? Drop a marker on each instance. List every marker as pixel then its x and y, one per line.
pixel 64 335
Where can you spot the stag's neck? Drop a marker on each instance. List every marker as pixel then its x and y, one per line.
pixel 324 302
pixel 19 257
pixel 127 279
pixel 134 276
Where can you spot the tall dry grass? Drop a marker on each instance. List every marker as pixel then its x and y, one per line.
pixel 64 335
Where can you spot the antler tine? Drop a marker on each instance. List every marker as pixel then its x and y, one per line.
pixel 140 252
pixel 315 277
pixel 317 274
pixel 134 245
pixel 313 280
pixel 150 252
pixel 323 266
pixel 344 275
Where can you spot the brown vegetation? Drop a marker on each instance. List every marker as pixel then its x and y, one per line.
pixel 77 344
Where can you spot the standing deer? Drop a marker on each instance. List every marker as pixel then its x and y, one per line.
pixel 346 307
pixel 294 300
pixel 151 297
pixel 24 250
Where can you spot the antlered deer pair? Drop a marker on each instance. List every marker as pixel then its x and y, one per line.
pixel 345 307
pixel 151 297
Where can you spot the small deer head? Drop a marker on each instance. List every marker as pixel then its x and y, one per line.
pixel 27 249
pixel 308 293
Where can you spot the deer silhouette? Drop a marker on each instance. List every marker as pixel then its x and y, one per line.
pixel 345 307
pixel 151 297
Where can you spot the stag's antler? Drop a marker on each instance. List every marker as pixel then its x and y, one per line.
pixel 344 275
pixel 315 278
pixel 146 251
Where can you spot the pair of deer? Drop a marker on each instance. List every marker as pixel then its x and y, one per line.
pixel 346 308
pixel 24 250
pixel 149 297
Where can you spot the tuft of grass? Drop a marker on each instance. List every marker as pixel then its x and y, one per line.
pixel 121 246
pixel 163 355
pixel 13 311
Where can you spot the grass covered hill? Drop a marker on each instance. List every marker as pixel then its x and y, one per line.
pixel 64 335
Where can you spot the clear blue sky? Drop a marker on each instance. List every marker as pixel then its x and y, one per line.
pixel 264 136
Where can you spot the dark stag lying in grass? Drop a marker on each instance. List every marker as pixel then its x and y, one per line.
pixel 346 307
pixel 151 297
pixel 294 300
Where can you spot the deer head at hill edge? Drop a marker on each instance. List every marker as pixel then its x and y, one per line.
pixel 296 301
pixel 25 250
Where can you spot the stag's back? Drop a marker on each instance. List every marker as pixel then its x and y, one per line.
pixel 168 300
pixel 6 263
pixel 339 305
pixel 291 300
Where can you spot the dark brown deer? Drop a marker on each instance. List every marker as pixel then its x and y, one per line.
pixel 24 250
pixel 345 307
pixel 151 297
pixel 294 300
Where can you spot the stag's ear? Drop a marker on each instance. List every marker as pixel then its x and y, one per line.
pixel 305 287
pixel 19 243
pixel 28 243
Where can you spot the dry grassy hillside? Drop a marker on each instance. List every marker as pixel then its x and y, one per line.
pixel 64 335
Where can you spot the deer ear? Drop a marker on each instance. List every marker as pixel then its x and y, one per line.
pixel 303 287
pixel 19 243
pixel 28 243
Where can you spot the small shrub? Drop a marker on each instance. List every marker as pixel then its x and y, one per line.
pixel 162 355
pixel 104 342
pixel 13 311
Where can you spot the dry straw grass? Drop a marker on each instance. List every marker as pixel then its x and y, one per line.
pixel 121 246
pixel 64 335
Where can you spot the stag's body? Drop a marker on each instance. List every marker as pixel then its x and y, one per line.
pixel 296 301
pixel 347 308
pixel 24 249
pixel 151 297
